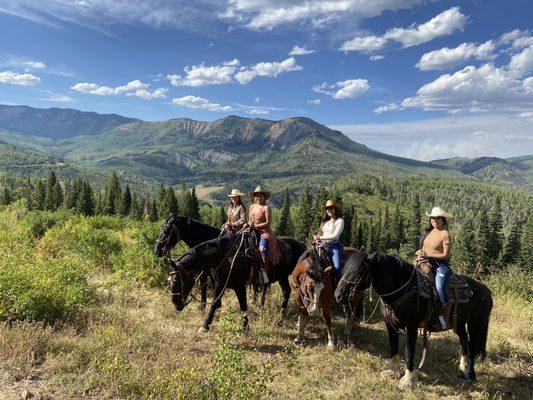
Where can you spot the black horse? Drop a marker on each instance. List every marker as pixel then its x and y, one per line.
pixel 395 282
pixel 193 232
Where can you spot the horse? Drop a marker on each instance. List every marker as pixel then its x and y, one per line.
pixel 312 288
pixel 397 284
pixel 194 232
pixel 229 263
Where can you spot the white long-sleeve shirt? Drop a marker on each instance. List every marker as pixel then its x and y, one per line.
pixel 331 230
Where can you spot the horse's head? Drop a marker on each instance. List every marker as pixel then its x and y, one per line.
pixel 168 237
pixel 315 279
pixel 356 277
pixel 181 283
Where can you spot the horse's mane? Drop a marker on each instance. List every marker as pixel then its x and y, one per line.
pixel 317 264
pixel 221 242
pixel 387 261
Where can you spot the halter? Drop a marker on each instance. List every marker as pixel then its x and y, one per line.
pixel 165 241
pixel 178 270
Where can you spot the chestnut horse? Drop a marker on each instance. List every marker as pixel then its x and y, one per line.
pixel 312 288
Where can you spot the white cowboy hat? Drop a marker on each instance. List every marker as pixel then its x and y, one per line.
pixel 259 190
pixel 236 193
pixel 332 203
pixel 439 212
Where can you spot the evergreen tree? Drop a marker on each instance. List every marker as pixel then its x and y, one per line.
pixel 346 237
pixel 136 211
pixel 57 196
pixel 483 239
pixel 125 205
pixel 318 209
pixel 194 204
pixel 39 195
pixel 354 230
pixel 85 204
pixel 413 229
pixel 185 201
pixel 28 194
pixel 50 201
pixel 112 195
pixel 526 247
pixel 147 208
pixel 98 201
pixel 171 202
pixel 6 197
pixel 222 217
pixel 154 215
pixel 304 217
pixel 396 229
pixel 384 234
pixel 464 248
pixel 511 250
pixel 495 226
pixel 361 239
pixel 162 208
pixel 73 194
pixel 370 238
pixel 285 224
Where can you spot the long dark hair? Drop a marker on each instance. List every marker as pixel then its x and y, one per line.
pixel 429 228
pixel 239 203
pixel 326 217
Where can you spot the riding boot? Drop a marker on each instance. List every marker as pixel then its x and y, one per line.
pixel 263 275
pixel 444 317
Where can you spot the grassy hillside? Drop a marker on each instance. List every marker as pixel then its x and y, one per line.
pixel 114 333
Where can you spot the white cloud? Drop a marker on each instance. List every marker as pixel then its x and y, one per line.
pixel 55 97
pixel 268 14
pixel 518 39
pixel 133 88
pixel 300 51
pixel 257 111
pixel 443 24
pixel 474 89
pixel 376 57
pixel 447 58
pixel 15 78
pixel 522 63
pixel 451 136
pixel 266 69
pixel 388 107
pixel 315 102
pixel 201 75
pixel 348 89
pixel 257 99
pixel 365 44
pixel 201 103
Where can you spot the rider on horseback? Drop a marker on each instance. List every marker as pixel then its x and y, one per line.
pixel 236 213
pixel 329 233
pixel 435 245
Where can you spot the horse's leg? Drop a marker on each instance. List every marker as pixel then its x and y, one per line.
pixel 302 322
pixel 203 285
pixel 325 310
pixel 263 294
pixel 243 304
pixel 212 310
pixel 352 313
pixel 256 291
pixel 464 364
pixel 394 367
pixel 409 379
pixel 286 290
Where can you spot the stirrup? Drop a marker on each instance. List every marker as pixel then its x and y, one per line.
pixel 263 277
pixel 442 321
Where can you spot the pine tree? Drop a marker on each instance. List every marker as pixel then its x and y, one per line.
pixel 39 195
pixel 194 204
pixel 526 247
pixel 396 229
pixel 370 236
pixel 49 201
pixel 361 239
pixel 464 248
pixel 28 194
pixel 6 197
pixel 222 216
pixel 98 201
pixel 304 217
pixel 85 204
pixel 346 237
pixel 154 215
pixel 185 201
pixel 384 233
pixel 73 194
pixel 136 211
pixel 285 224
pixel 354 229
pixel 125 205
pixel 147 207
pixel 318 209
pixel 495 226
pixel 171 202
pixel 511 250
pixel 483 240
pixel 112 195
pixel 162 208
pixel 413 229
pixel 57 196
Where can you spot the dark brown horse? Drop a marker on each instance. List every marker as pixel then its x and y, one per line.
pixel 312 288
pixel 405 308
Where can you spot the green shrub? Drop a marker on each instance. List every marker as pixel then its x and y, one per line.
pixel 139 265
pixel 36 223
pixel 514 281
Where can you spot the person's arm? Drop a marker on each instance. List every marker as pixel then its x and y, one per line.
pixel 268 217
pixel 446 250
pixel 338 226
pixel 242 217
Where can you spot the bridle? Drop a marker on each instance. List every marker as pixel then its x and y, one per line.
pixel 178 270
pixel 165 241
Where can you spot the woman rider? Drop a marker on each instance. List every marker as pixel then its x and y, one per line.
pixel 435 245
pixel 259 219
pixel 330 231
pixel 236 213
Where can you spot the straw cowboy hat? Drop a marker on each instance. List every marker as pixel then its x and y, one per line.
pixel 439 212
pixel 332 203
pixel 236 193
pixel 259 190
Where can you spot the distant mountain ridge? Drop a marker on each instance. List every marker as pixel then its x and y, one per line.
pixel 228 151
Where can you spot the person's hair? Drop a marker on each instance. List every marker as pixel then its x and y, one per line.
pixel 326 217
pixel 239 202
pixel 429 228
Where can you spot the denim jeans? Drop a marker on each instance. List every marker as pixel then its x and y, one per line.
pixel 263 241
pixel 442 271
pixel 335 252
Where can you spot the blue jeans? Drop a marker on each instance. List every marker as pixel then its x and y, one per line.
pixel 442 271
pixel 335 252
pixel 263 241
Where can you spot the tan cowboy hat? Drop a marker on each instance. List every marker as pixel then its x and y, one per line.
pixel 439 212
pixel 332 203
pixel 236 193
pixel 259 190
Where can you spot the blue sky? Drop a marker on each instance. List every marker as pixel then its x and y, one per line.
pixel 423 79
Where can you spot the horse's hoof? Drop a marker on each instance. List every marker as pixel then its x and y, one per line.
pixel 331 346
pixel 466 377
pixel 297 341
pixel 409 380
pixel 203 330
pixel 391 373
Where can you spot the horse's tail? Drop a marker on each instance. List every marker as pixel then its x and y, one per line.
pixel 478 324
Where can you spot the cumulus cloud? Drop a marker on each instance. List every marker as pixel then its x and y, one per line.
pixel 522 63
pixel 388 107
pixel 376 57
pixel 475 89
pixel 315 102
pixel 443 24
pixel 446 58
pixel 201 103
pixel 348 89
pixel 300 51
pixel 202 75
pixel 133 88
pixel 266 69
pixel 268 14
pixel 517 38
pixel 365 44
pixel 15 78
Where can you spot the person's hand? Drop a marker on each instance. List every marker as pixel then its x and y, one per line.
pixel 252 225
pixel 315 238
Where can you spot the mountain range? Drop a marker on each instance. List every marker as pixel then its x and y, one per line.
pixel 224 152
